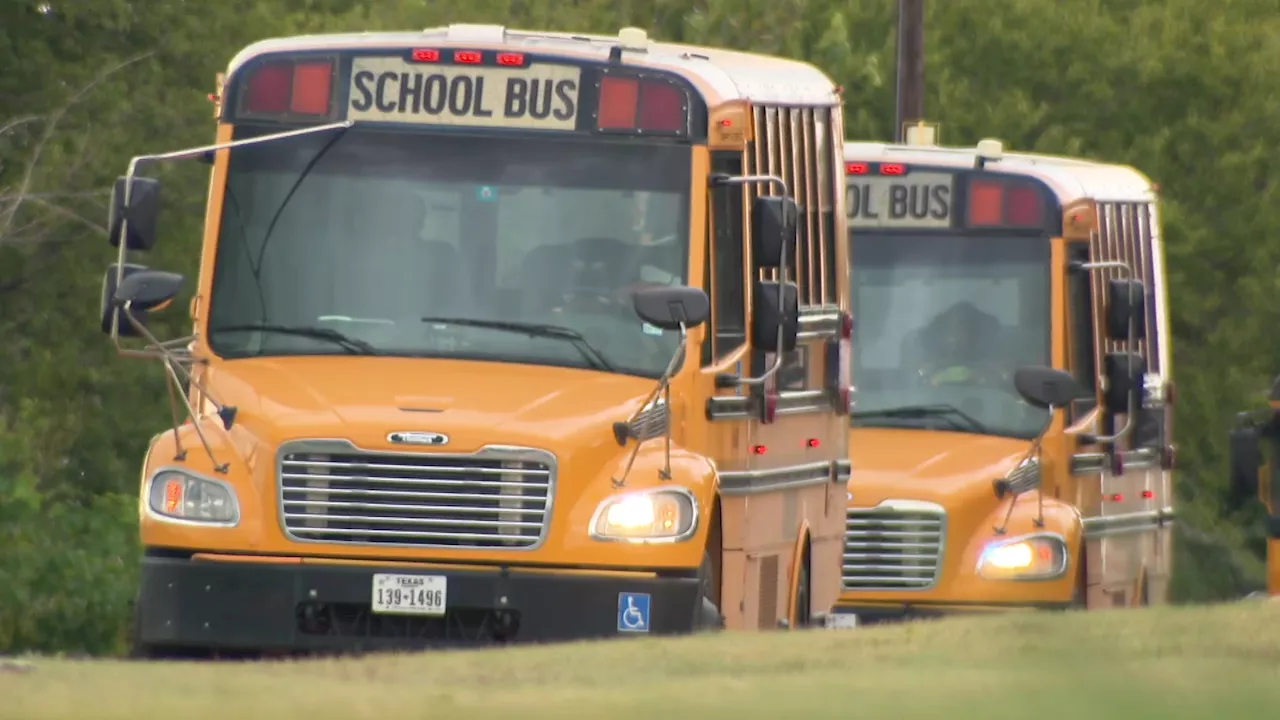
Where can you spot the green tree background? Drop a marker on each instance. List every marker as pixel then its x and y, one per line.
pixel 1185 90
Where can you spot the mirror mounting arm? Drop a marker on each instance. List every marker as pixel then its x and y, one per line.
pixel 663 389
pixel 187 154
pixel 721 180
pixel 1131 339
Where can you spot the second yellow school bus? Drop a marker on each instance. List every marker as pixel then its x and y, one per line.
pixel 1011 435
pixel 499 335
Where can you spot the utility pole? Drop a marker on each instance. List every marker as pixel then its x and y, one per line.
pixel 910 65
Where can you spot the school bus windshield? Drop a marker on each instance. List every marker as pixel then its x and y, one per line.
pixel 943 321
pixel 453 246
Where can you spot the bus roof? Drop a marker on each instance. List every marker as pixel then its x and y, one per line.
pixel 721 75
pixel 1071 178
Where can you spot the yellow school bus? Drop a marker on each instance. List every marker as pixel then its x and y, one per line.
pixel 1011 429
pixel 498 336
pixel 1255 473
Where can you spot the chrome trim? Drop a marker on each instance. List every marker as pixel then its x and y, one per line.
pixel 879 557
pixel 819 322
pixel 461 541
pixel 844 469
pixel 735 483
pixel 675 489
pixel 790 402
pixel 1127 523
pixel 1066 561
pixel 161 517
pixel 1091 463
pixel 416 437
pixel 651 422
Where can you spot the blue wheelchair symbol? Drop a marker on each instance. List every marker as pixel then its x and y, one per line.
pixel 633 612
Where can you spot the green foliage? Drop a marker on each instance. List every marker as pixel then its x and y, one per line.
pixel 1183 90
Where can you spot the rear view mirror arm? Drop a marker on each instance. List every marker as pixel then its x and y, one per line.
pixel 187 154
pixel 1127 273
pixel 720 180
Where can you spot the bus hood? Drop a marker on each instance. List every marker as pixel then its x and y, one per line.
pixel 943 467
pixel 364 399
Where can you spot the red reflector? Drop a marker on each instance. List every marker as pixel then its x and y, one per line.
pixel 1024 207
pixel 812 442
pixel 892 169
pixel 425 55
pixel 511 59
pixel 1148 494
pixel 469 57
pixel 269 89
pixel 986 203
pixel 855 168
pixel 618 100
pixel 661 107
pixel 758 449
pixel 1118 497
pixel 311 88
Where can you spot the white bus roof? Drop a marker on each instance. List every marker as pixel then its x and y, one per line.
pixel 721 75
pixel 1071 178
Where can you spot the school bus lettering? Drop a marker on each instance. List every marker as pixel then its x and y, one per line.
pixel 922 200
pixel 542 97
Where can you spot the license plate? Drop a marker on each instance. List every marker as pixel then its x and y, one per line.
pixel 841 621
pixel 410 594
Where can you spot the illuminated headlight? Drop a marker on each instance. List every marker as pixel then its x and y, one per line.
pixel 647 516
pixel 1034 557
pixel 181 496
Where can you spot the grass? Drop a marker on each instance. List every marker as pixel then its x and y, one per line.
pixel 1191 662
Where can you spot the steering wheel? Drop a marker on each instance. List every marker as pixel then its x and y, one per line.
pixel 996 378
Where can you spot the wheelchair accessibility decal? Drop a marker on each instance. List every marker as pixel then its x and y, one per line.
pixel 633 612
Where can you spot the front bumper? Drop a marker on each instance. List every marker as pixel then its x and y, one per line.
pixel 292 606
pixel 871 614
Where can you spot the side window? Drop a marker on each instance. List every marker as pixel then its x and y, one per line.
pixel 1081 318
pixel 726 262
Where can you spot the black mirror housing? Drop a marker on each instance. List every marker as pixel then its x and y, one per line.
pixel 773 228
pixel 143 213
pixel 148 290
pixel 668 307
pixel 1046 387
pixel 1126 299
pixel 1124 371
pixel 1245 462
pixel 767 321
pixel 107 308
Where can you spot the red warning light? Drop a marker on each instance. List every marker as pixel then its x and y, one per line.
pixel 758 449
pixel 893 169
pixel 813 442
pixel 856 168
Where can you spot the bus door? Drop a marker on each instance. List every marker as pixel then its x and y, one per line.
pixel 1123 485
pixel 780 444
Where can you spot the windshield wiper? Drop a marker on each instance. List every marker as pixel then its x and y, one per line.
pixel 589 353
pixel 949 412
pixel 355 346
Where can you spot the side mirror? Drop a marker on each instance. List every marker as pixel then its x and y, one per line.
pixel 107 308
pixel 767 321
pixel 669 307
pixel 148 290
pixel 1124 371
pixel 1046 387
pixel 773 227
pixel 1126 299
pixel 1245 462
pixel 143 213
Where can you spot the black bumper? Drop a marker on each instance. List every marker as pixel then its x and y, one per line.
pixel 881 614
pixel 315 607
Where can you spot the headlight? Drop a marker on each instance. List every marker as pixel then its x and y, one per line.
pixel 177 495
pixel 647 516
pixel 1033 557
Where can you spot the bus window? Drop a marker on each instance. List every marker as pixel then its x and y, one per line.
pixel 729 325
pixel 1083 347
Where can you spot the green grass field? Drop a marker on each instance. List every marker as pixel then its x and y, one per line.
pixel 1193 662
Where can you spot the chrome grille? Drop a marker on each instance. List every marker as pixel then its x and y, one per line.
pixel 893 547
pixel 331 491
